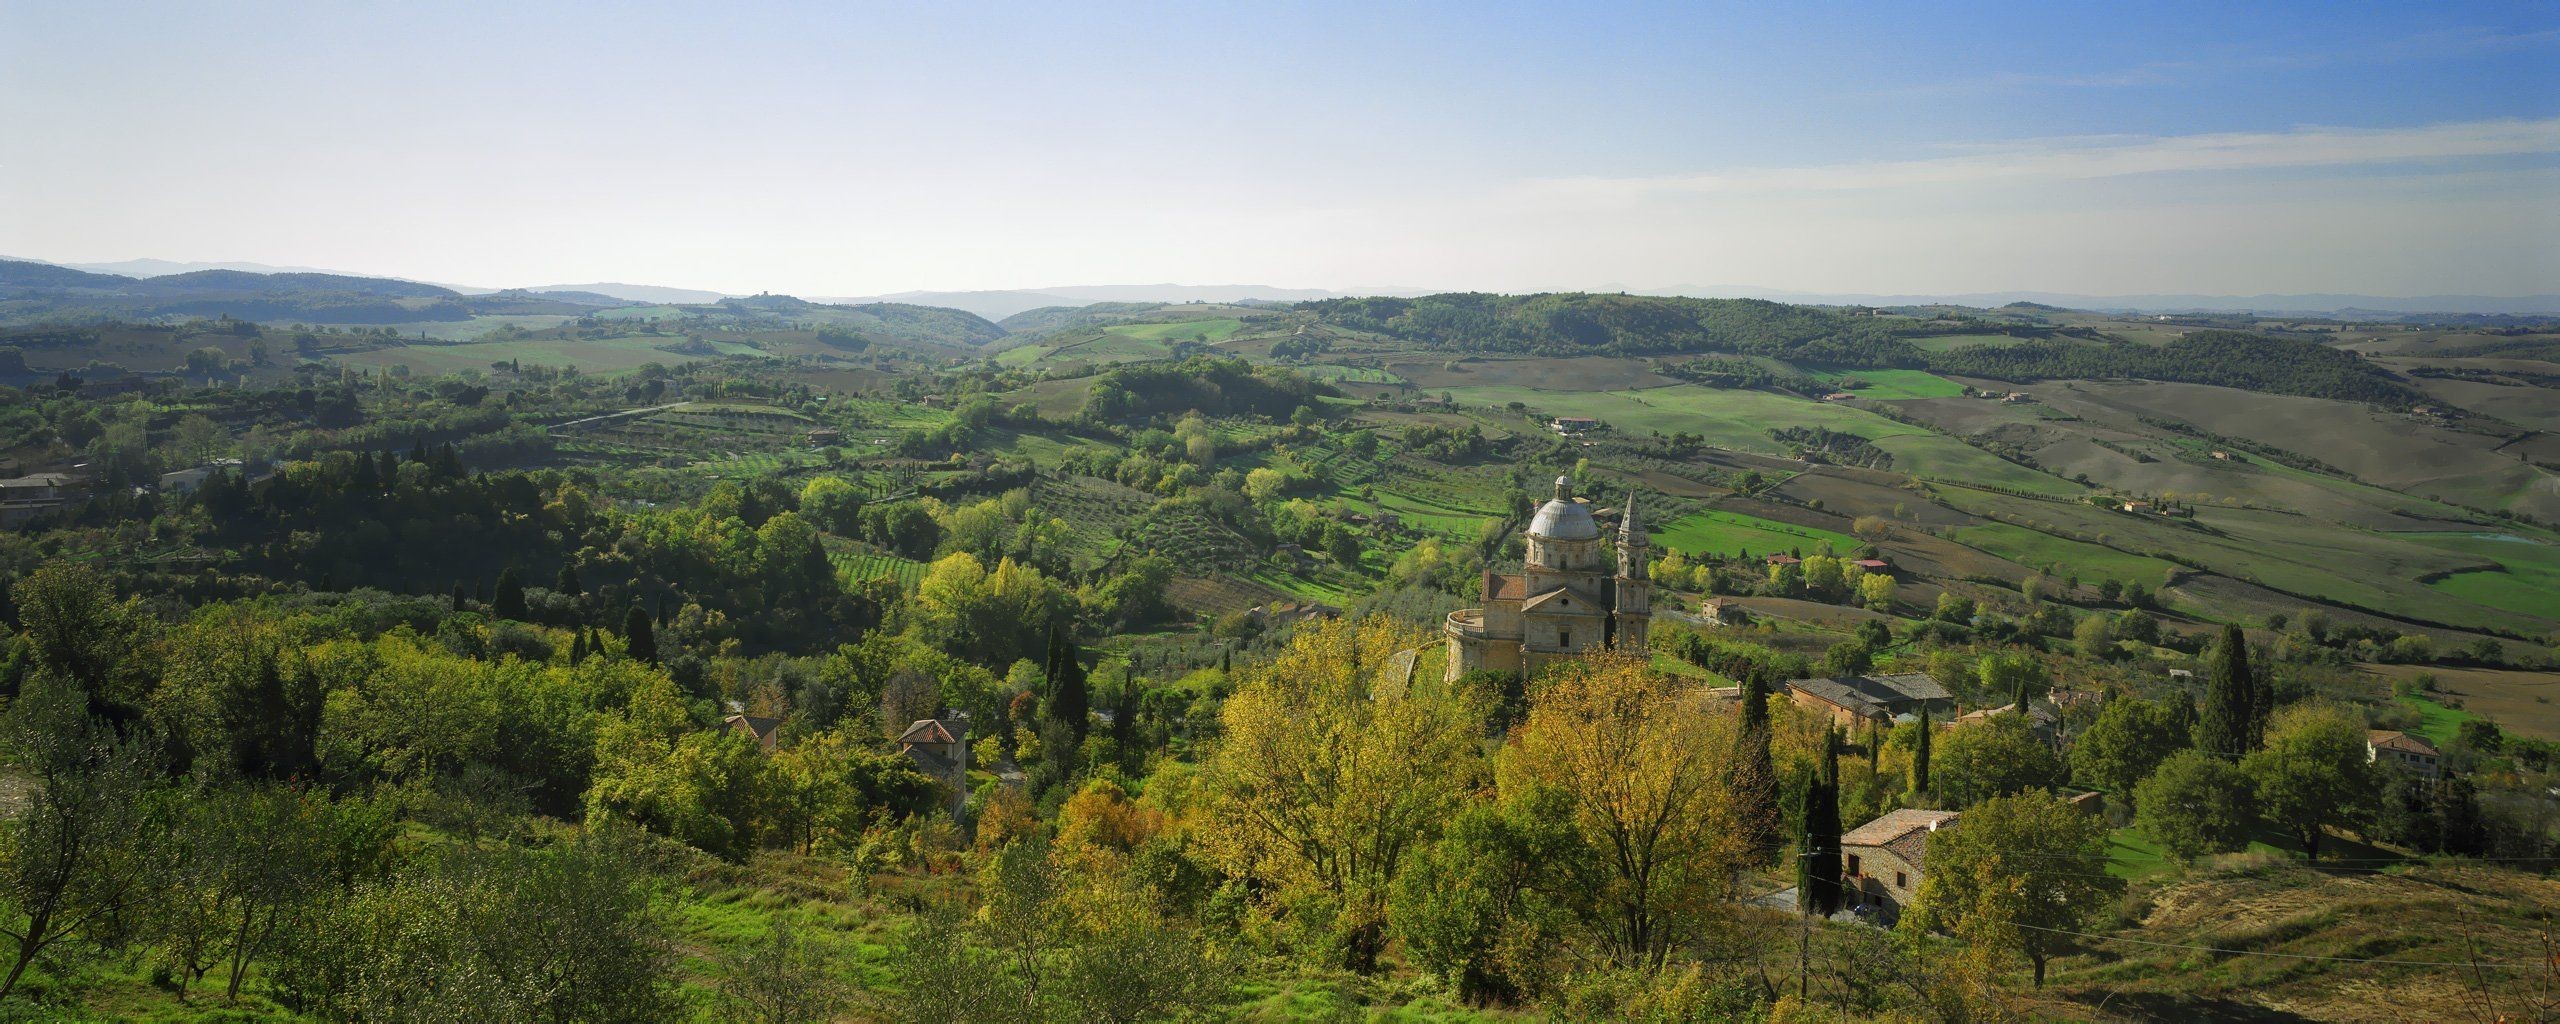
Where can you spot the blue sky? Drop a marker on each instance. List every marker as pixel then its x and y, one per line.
pixel 829 149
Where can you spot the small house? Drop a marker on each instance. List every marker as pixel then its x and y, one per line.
pixel 2404 752
pixel 767 732
pixel 1574 424
pixel 1883 861
pixel 940 749
pixel 1881 700
pixel 1871 564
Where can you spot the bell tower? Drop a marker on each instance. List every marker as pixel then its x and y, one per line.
pixel 1632 615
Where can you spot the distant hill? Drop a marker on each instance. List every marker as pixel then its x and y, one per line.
pixel 637 292
pixel 43 291
pixel 1051 319
pixel 2371 306
pixel 164 268
pixel 998 305
pixel 896 322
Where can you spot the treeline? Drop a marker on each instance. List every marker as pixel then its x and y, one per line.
pixel 2234 359
pixel 1213 386
pixel 1586 324
pixel 1730 372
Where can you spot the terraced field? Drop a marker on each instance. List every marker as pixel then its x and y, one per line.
pixel 866 565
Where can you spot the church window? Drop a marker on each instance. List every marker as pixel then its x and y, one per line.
pixel 1564 638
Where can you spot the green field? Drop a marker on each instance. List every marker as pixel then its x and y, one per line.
pixel 1355 374
pixel 476 327
pixel 2088 561
pixel 2530 583
pixel 1730 533
pixel 600 356
pixel 1211 331
pixel 861 566
pixel 1895 384
pixel 2437 722
pixel 1742 420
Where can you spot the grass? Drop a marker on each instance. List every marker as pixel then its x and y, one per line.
pixel 1742 420
pixel 2131 854
pixel 598 356
pixel 2438 723
pixel 1212 331
pixel 2528 580
pixel 1731 533
pixel 2090 561
pixel 1951 342
pixel 1896 384
pixel 863 565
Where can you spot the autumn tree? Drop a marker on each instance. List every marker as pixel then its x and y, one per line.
pixel 2130 738
pixel 1998 756
pixel 1646 768
pixel 2016 873
pixel 1321 787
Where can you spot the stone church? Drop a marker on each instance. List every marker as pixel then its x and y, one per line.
pixel 1564 602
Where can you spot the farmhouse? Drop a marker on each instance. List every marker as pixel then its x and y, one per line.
pixel 1574 424
pixel 941 751
pixel 1882 860
pixel 1852 700
pixel 1563 602
pixel 767 732
pixel 2401 751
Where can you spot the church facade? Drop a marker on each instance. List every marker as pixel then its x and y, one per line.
pixel 1564 602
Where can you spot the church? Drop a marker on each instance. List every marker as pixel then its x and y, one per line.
pixel 1564 602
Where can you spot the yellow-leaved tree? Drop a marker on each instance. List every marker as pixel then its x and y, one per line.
pixel 1329 776
pixel 1646 762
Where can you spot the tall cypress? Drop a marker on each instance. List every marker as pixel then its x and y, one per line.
pixel 567 582
pixel 1822 826
pixel 1069 699
pixel 508 600
pixel 640 640
pixel 458 595
pixel 1920 758
pixel 1756 785
pixel 2227 724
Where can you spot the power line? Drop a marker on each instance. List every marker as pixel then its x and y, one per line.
pixel 2288 956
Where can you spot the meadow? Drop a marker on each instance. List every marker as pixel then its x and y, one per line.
pixel 2090 562
pixel 599 356
pixel 1888 385
pixel 1728 534
pixel 2528 582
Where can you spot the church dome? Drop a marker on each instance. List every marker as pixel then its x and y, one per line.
pixel 1563 518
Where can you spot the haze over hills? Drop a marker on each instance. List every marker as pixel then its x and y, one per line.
pixel 997 304
pixel 2172 303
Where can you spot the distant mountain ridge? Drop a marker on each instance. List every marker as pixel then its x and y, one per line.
pixel 998 304
pixel 2343 305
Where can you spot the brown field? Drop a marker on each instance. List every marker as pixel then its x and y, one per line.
pixel 2529 407
pixel 2387 449
pixel 2519 701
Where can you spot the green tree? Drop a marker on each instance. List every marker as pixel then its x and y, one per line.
pixel 1474 908
pixel 2313 775
pixel 640 639
pixel 1818 854
pixel 2229 724
pixel 1756 784
pixel 2195 804
pixel 1920 754
pixel 83 852
pixel 1999 756
pixel 2016 872
pixel 506 601
pixel 2130 739
pixel 781 978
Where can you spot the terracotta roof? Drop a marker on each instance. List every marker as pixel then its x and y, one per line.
pixel 766 731
pixel 2387 739
pixel 1503 586
pixel 1561 600
pixel 1896 825
pixel 927 730
pixel 1784 560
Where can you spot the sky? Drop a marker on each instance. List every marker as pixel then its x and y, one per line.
pixel 852 149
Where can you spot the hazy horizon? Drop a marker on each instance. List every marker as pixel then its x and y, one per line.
pixel 801 149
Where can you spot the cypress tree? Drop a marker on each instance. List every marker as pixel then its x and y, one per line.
pixel 639 638
pixel 458 595
pixel 418 450
pixel 390 469
pixel 365 480
pixel 508 600
pixel 1070 702
pixel 1756 784
pixel 567 582
pixel 577 648
pixel 2229 715
pixel 1822 826
pixel 1920 758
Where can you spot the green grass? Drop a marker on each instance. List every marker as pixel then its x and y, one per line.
pixel 1355 374
pixel 1742 420
pixel 600 356
pixel 1023 356
pixel 2090 561
pixel 2133 855
pixel 1730 533
pixel 2529 582
pixel 1896 384
pixel 861 566
pixel 2437 722
pixel 1212 331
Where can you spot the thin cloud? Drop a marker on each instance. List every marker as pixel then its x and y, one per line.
pixel 2085 158
pixel 2440 45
